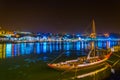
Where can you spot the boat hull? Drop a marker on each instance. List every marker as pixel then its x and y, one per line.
pixel 65 66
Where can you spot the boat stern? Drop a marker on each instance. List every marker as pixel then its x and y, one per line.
pixel 51 65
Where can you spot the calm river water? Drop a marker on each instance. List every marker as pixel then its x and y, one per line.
pixel 49 48
pixel 45 52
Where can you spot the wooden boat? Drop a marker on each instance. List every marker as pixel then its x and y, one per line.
pixel 82 62
pixel 78 63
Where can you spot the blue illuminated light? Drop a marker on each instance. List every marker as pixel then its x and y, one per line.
pixel 44 47
pixel 67 46
pixel 8 50
pixel 82 45
pixel 51 47
pixel 78 45
pixel 38 48
pixel 23 48
pixel 100 44
pixel 29 48
pixel 15 50
pixel 57 46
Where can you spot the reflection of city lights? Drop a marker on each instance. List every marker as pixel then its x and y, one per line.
pixel 51 47
pixel 8 50
pixel 1 54
pixel 38 48
pixel 60 46
pixel 15 50
pixel 44 47
pixel 99 44
pixel 82 44
pixel 67 46
pixel 57 46
pixel 2 51
pixel 18 49
pixel 22 48
pixel 29 48
pixel 4 48
pixel 78 45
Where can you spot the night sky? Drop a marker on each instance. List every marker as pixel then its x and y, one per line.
pixel 58 16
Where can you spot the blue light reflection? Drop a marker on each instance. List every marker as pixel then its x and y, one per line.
pixel 38 49
pixel 70 48
pixel 44 47
pixel 8 50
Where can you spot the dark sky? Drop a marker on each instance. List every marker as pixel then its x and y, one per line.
pixel 72 16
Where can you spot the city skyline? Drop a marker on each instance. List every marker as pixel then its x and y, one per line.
pixel 60 16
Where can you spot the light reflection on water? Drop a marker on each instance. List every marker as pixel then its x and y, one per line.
pixel 9 50
pixel 70 48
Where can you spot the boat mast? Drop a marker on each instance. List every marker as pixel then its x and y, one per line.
pixel 93 28
pixel 93 36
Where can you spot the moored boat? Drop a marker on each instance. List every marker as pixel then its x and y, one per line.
pixel 83 62
pixel 77 63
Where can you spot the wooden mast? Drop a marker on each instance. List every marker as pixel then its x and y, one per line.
pixel 93 28
pixel 93 36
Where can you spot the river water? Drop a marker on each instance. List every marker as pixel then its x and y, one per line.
pixel 43 51
pixel 78 48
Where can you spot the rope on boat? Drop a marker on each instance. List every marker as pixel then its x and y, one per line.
pixel 89 54
pixel 87 29
pixel 57 57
